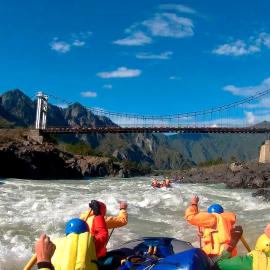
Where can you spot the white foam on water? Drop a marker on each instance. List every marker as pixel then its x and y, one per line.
pixel 29 208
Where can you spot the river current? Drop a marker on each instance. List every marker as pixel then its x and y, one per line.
pixel 28 208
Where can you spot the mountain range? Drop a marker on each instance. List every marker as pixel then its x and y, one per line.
pixel 158 151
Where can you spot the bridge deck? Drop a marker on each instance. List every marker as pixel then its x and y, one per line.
pixel 63 130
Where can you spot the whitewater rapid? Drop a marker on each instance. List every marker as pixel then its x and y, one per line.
pixel 28 208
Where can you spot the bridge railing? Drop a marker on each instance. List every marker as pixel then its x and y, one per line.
pixel 194 125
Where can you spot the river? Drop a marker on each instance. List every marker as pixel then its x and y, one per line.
pixel 28 208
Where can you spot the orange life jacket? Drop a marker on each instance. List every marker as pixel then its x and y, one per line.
pixel 215 239
pixel 155 183
pixel 167 183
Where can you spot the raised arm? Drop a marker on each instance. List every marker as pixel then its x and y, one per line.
pixel 199 219
pixel 120 220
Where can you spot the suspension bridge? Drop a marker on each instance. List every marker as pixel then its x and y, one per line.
pixel 249 115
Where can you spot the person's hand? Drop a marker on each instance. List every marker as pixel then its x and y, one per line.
pixel 123 205
pixel 195 200
pixel 44 249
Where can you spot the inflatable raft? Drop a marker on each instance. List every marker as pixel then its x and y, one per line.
pixel 160 253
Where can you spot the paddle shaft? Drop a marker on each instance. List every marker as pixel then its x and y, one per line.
pixel 110 236
pixel 31 263
pixel 199 229
pixel 244 242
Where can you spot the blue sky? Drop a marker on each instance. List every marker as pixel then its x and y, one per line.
pixel 145 57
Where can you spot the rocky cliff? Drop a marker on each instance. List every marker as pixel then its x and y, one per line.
pixel 29 160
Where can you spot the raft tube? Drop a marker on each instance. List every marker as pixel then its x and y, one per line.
pixel 172 254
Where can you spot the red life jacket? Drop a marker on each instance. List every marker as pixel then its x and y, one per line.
pixel 98 229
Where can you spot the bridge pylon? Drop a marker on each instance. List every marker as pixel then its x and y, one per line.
pixel 42 109
pixel 265 152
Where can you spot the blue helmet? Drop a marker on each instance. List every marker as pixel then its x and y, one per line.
pixel 77 226
pixel 215 208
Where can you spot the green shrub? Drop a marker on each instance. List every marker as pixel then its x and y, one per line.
pixel 211 162
pixel 80 148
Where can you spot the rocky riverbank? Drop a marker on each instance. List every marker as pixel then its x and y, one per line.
pixel 251 175
pixel 248 175
pixel 20 158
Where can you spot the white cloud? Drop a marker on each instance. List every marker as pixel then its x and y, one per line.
pixel 165 23
pixel 255 118
pixel 60 46
pixel 236 48
pixel 249 90
pixel 89 94
pixel 262 103
pixel 78 43
pixel 264 39
pixel 250 117
pixel 240 47
pixel 76 40
pixel 161 56
pixel 121 72
pixel 176 78
pixel 83 35
pixel 135 39
pixel 179 8
pixel 61 105
pixel 169 25
pixel 107 86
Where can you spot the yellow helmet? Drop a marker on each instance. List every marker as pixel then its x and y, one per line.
pixel 263 243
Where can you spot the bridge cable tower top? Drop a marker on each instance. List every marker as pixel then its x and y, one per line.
pixel 42 109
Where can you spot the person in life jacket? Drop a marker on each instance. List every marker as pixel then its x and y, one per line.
pixel 155 183
pixel 257 259
pixel 95 218
pixel 167 182
pixel 77 250
pixel 106 260
pixel 216 225
pixel 112 222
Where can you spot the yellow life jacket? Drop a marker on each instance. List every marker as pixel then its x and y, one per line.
pixel 260 260
pixel 75 252
pixel 215 239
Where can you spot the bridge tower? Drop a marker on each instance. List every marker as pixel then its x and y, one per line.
pixel 265 152
pixel 42 108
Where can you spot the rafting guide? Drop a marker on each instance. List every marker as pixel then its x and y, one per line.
pixel 217 227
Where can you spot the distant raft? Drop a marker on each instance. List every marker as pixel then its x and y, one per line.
pixel 160 253
pixel 166 183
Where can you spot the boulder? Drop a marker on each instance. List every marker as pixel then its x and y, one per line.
pixel 264 193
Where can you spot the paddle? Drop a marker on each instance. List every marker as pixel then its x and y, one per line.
pixel 31 263
pixel 110 236
pixel 199 232
pixel 199 228
pixel 244 242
